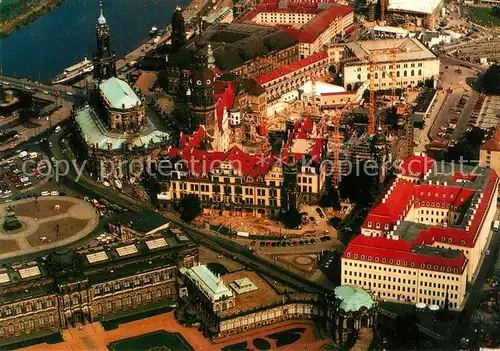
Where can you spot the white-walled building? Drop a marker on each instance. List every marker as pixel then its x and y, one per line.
pixel 427 237
pixel 414 63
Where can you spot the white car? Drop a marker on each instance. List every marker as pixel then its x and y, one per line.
pixel 58 129
pixel 69 93
pixel 54 193
pixel 7 192
pixel 45 92
pixel 45 193
pixel 24 179
pixel 28 87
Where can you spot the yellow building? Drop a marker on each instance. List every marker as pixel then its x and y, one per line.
pixel 489 154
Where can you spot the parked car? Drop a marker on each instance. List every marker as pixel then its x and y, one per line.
pixel 45 193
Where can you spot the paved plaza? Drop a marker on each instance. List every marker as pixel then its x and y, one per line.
pixel 47 222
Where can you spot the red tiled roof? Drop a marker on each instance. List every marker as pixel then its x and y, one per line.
pixel 225 96
pixel 311 30
pixel 388 251
pixel 200 162
pixel 493 144
pixel 416 166
pixel 440 195
pixel 193 140
pixel 295 66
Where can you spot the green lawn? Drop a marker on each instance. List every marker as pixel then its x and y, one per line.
pixel 156 340
pixel 481 15
pixel 12 8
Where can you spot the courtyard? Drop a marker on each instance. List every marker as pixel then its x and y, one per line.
pixel 167 334
pixel 46 222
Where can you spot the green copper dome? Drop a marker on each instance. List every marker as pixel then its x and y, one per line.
pixel 353 298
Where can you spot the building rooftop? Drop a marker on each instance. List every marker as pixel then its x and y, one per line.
pixel 424 6
pixel 118 94
pixel 97 134
pixel 353 298
pixel 389 29
pixel 407 49
pixel 235 44
pixel 142 222
pixel 493 144
pixel 264 295
pixel 210 284
pixel 291 68
pixel 322 88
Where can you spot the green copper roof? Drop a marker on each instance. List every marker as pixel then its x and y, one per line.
pixel 119 94
pixel 353 298
pixel 97 134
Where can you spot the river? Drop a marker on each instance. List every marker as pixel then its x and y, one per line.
pixel 66 35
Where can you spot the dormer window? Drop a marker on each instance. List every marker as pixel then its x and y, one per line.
pixel 362 257
pixel 348 255
pixel 386 226
pixel 378 225
pixel 369 224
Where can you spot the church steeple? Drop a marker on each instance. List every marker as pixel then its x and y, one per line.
pixel 104 57
pixel 101 20
pixel 178 30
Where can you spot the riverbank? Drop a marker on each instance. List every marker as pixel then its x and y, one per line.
pixel 17 13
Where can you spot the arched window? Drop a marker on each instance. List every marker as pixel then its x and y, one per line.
pixel 383 74
pixel 1 331
pixel 51 318
pixel 128 300
pixel 31 323
pixel 21 325
pixel 398 74
pixel 99 307
pixel 41 321
pixel 148 295
pixel 11 328
pixel 158 293
pixel 359 76
pixel 76 300
pixel 368 76
pixel 419 72
pixel 412 72
pixel 405 73
pixel 138 299
pixel 376 75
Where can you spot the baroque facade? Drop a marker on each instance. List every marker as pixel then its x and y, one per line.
pixel 97 282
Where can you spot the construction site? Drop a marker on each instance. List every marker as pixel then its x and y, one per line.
pixel 379 128
pixel 485 51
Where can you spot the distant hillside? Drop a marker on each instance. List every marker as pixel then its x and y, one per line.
pixel 16 13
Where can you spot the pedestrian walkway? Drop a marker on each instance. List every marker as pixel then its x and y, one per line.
pixel 77 211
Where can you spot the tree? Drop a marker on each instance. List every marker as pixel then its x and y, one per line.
pixel 291 219
pixel 190 207
pixel 11 222
pixel 496 11
pixel 467 148
pixel 330 199
pixel 491 80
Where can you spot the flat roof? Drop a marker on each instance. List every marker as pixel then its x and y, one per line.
pixel 390 29
pixel 322 88
pixel 264 295
pixel 406 49
pixel 422 6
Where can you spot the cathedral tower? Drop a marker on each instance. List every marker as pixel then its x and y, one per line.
pixel 178 30
pixel 104 57
pixel 289 191
pixel 202 102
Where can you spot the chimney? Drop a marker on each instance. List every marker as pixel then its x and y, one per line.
pixel 445 183
pixel 383 200
pixel 445 224
pixel 467 228
pixel 430 182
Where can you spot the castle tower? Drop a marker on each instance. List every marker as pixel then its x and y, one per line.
pixel 178 30
pixel 202 103
pixel 104 57
pixel 290 190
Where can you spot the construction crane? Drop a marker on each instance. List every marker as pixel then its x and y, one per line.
pixel 383 5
